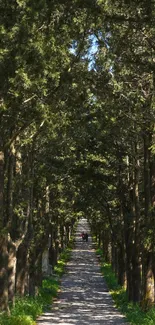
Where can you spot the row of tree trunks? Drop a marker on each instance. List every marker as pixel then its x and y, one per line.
pixel 23 241
pixel 22 267
pixel 132 238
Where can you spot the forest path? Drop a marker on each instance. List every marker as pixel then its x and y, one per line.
pixel 84 297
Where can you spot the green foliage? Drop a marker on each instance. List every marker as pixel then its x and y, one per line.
pixel 71 242
pixel 133 312
pixel 109 276
pixel 27 306
pixel 59 269
pixel 48 291
pixel 76 142
pixel 27 309
pixel 16 320
pixel 50 286
pixel 111 280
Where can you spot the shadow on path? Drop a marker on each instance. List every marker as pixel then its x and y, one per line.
pixel 84 297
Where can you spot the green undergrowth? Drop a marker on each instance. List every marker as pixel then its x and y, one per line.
pixel 64 258
pixel 133 312
pixel 27 309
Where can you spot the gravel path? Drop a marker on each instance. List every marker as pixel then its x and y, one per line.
pixel 84 297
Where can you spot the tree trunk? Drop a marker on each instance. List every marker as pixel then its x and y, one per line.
pixel 51 249
pixel 1 187
pixel 3 240
pixel 9 205
pixel 22 269
pixel 52 256
pixel 11 271
pixel 62 235
pixel 45 261
pixel 121 265
pixel 136 277
pixel 129 273
pixel 153 269
pixel 148 298
pixel 136 263
pixel 4 273
pixel 148 273
pixel 147 184
pixel 99 237
pixel 12 227
pixel 114 258
pixel 35 274
pixel 35 267
pixel 67 233
pixel 129 252
pixel 106 245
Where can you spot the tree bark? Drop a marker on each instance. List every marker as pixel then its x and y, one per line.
pixel 148 268
pixel 10 178
pixel 11 271
pixel 35 273
pixel 22 269
pixel 114 258
pixel 129 252
pixel 136 262
pixel 1 186
pixel 106 245
pixel 148 298
pixel 3 240
pixel 121 265
pixel 4 273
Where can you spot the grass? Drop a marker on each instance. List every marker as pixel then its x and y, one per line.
pixel 27 309
pixel 133 312
pixel 64 258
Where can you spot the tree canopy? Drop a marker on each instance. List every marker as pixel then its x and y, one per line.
pixel 77 136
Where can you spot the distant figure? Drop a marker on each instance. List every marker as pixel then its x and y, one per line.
pixel 84 236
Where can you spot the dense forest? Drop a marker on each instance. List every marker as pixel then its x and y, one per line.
pixel 77 116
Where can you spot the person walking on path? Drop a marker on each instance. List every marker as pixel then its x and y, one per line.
pixel 84 297
pixel 84 236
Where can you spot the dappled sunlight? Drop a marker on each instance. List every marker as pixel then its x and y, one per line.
pixel 84 297
pixel 84 316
